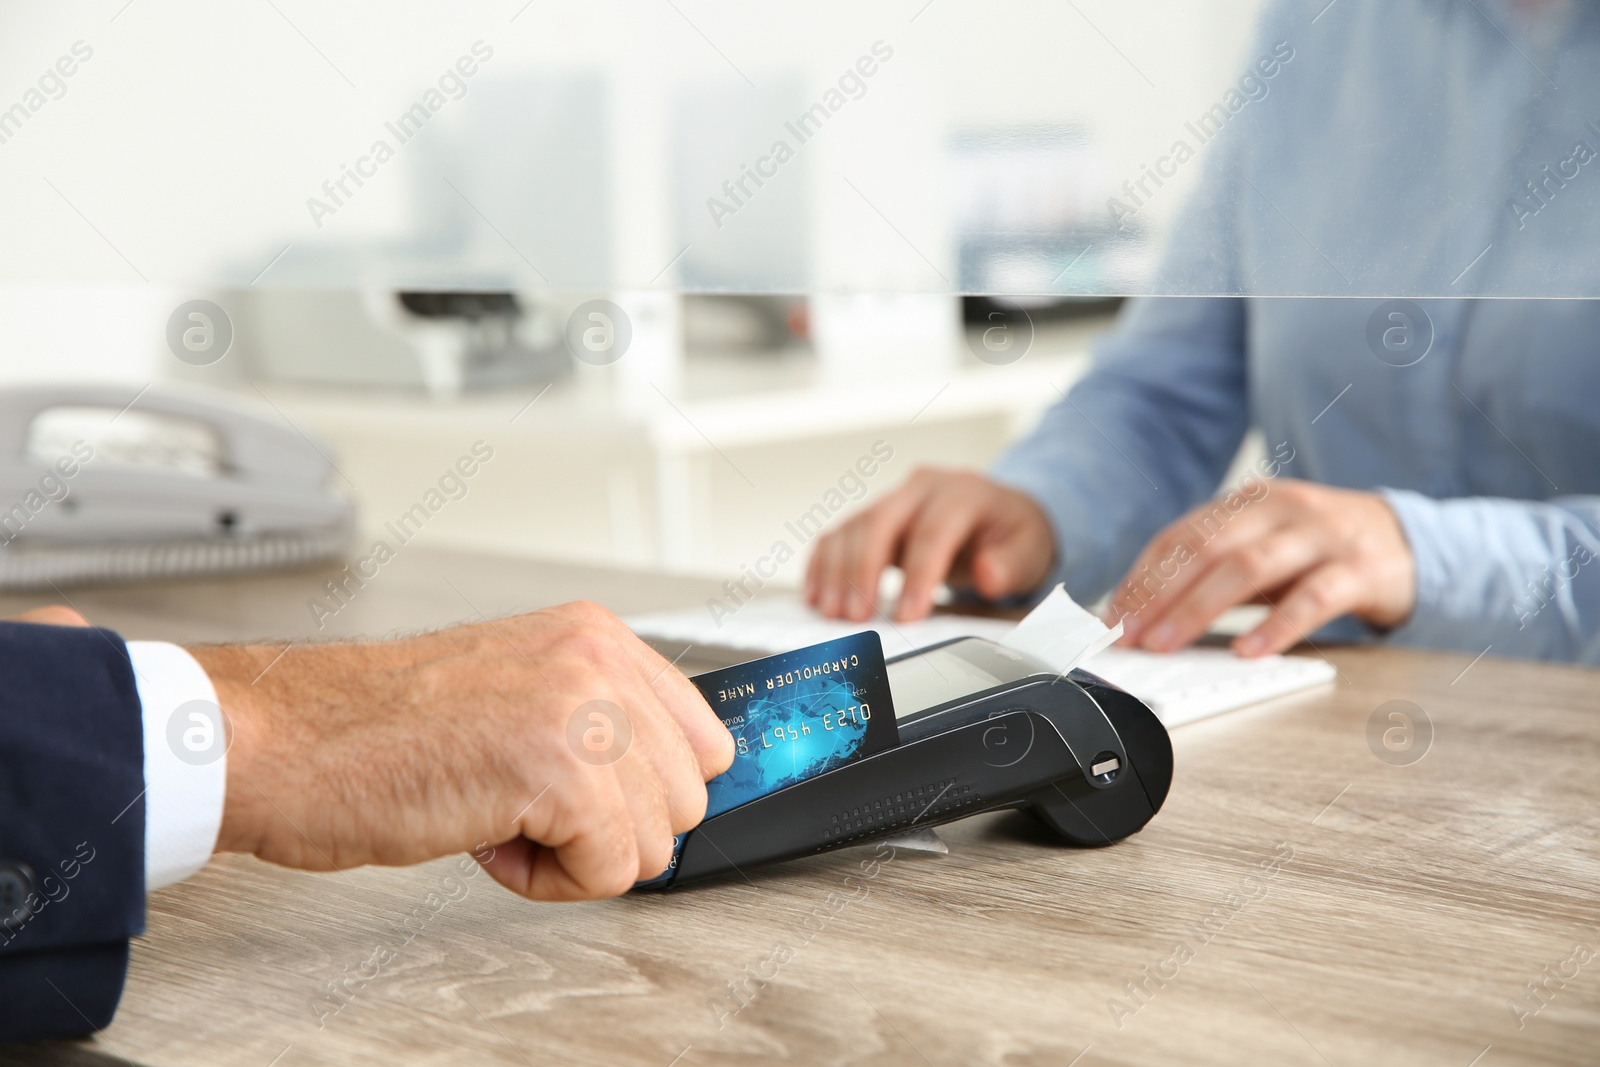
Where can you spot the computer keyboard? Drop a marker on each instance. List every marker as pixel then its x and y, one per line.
pixel 1179 687
pixel 1196 683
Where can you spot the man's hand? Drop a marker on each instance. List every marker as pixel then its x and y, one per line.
pixel 51 615
pixel 398 752
pixel 1312 552
pixel 940 525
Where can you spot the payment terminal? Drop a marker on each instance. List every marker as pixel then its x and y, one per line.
pixel 981 727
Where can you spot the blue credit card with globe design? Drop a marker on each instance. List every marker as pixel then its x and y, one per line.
pixel 796 715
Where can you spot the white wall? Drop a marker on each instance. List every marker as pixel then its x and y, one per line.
pixel 187 148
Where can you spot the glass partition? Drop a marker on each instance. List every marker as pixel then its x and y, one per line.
pixel 1379 148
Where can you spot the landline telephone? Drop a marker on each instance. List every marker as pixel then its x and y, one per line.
pixel 109 483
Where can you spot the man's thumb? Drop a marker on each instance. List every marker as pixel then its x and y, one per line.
pixel 53 615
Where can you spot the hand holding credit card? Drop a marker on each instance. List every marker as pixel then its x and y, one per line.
pixel 796 715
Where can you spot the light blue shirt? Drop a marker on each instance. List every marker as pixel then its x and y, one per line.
pixel 1488 445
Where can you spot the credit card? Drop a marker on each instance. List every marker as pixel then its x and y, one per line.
pixel 796 715
pixel 799 714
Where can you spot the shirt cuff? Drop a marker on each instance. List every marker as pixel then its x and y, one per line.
pixel 185 761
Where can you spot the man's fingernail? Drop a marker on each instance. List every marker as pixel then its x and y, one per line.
pixel 1251 645
pixel 1161 637
pixel 1131 626
pixel 830 602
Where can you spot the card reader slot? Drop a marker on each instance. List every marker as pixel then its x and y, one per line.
pixel 807 817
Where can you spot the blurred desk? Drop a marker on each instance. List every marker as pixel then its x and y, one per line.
pixel 1408 910
pixel 693 470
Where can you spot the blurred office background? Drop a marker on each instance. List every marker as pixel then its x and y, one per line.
pixel 691 459
pixel 431 304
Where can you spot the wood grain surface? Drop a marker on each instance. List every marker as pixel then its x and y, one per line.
pixel 1299 900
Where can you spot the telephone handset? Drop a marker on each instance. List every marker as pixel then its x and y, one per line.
pixel 104 482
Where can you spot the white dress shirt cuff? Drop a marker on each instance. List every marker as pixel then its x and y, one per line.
pixel 185 761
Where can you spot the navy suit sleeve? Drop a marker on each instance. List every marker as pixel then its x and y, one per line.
pixel 71 828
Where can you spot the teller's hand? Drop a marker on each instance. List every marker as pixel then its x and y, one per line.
pixel 940 525
pixel 1313 552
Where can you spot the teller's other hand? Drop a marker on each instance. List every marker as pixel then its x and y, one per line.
pixel 938 526
pixel 1312 552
